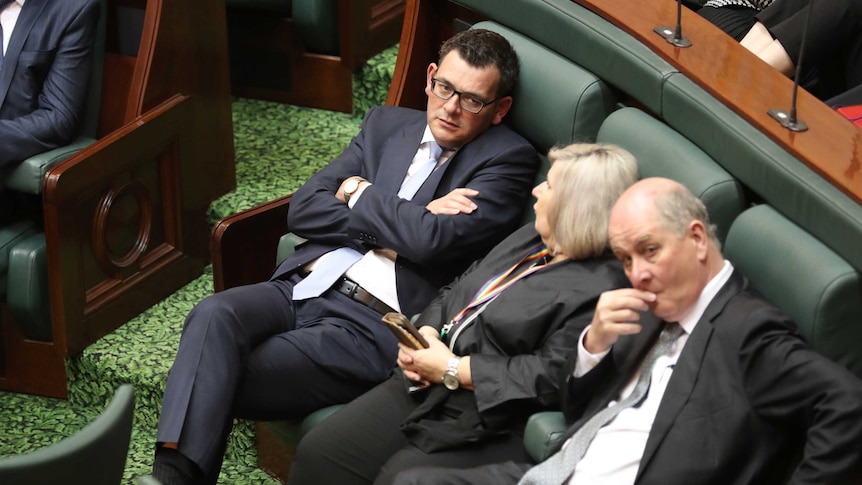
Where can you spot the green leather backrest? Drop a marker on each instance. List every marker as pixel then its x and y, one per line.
pixel 317 23
pixel 662 152
pixel 784 182
pixel 799 274
pixel 556 101
pixel 587 40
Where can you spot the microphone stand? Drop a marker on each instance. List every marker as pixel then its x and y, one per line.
pixel 789 120
pixel 674 36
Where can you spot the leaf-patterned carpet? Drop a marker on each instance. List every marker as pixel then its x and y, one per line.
pixel 277 148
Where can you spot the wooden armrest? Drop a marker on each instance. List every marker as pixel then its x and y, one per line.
pixel 244 244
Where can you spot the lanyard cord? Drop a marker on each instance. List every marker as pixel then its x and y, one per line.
pixel 496 285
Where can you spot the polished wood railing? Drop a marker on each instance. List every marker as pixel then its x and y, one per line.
pixel 832 146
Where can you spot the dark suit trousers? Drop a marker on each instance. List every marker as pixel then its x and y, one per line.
pixel 363 443
pixel 251 352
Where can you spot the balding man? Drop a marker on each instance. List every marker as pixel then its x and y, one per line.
pixel 726 393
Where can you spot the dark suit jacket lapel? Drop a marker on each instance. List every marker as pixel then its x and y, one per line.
pixel 29 13
pixel 687 370
pixel 397 155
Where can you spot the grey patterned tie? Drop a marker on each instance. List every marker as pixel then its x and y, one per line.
pixel 559 467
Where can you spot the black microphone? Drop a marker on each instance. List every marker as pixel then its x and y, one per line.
pixel 674 36
pixel 789 120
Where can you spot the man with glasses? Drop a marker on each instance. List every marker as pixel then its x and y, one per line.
pixel 413 199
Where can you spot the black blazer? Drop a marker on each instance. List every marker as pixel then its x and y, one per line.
pixel 43 82
pixel 517 345
pixel 432 249
pixel 744 395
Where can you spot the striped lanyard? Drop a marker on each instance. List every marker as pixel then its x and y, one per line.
pixel 498 284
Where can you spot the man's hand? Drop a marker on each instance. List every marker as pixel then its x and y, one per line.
pixel 617 313
pixel 455 202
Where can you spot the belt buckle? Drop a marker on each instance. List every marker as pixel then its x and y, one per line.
pixel 352 287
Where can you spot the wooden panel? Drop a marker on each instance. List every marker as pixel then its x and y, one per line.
pixel 244 245
pixel 121 227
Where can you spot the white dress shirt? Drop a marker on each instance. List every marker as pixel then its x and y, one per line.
pixel 8 19
pixel 614 455
pixel 375 272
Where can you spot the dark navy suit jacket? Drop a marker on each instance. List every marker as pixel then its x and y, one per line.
pixel 432 249
pixel 746 399
pixel 43 81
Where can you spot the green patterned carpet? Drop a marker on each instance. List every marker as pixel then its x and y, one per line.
pixel 277 148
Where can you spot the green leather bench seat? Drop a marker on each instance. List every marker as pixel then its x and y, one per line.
pixel 556 102
pixel 662 152
pixel 588 41
pixel 10 235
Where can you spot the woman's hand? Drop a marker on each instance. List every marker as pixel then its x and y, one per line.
pixel 425 365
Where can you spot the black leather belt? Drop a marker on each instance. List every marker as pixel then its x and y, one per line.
pixel 358 293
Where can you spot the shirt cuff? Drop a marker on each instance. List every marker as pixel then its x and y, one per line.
pixel 356 195
pixel 586 360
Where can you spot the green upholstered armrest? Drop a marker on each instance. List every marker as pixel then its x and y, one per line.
pixel 286 245
pixel 543 434
pixel 317 23
pixel 28 175
pixel 800 275
pixel 10 236
pixel 662 152
pixel 316 418
pixel 27 294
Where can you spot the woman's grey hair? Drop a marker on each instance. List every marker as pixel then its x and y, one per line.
pixel 589 178
pixel 676 210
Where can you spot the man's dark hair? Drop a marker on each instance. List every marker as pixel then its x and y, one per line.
pixel 482 48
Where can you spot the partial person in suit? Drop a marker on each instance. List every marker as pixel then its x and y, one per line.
pixel 734 396
pixel 773 31
pixel 47 48
pixel 498 338
pixel 312 335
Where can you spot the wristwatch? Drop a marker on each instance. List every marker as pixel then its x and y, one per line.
pixel 450 377
pixel 350 187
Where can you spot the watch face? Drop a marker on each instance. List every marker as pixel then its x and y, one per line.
pixel 351 186
pixel 450 381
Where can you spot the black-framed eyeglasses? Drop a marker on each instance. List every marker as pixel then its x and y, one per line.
pixel 468 102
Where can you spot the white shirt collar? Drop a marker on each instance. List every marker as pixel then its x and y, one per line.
pixel 709 291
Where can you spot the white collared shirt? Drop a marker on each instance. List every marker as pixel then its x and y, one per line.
pixel 8 19
pixel 615 453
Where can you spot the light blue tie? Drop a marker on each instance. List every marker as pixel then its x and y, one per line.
pixel 558 468
pixel 327 272
pixel 413 182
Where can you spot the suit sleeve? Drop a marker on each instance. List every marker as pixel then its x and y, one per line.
pixel 57 119
pixel 314 212
pixel 410 229
pixel 534 377
pixel 790 383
